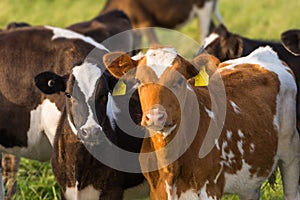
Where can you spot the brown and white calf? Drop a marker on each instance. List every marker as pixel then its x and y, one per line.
pixel 226 45
pixel 30 118
pixel 166 13
pixel 258 131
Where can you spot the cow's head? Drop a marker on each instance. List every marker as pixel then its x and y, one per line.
pixel 291 41
pixel 223 44
pixel 163 87
pixel 86 89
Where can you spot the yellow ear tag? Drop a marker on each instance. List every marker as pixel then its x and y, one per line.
pixel 202 78
pixel 119 89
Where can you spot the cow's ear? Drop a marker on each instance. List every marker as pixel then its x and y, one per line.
pixel 208 61
pixel 118 63
pixel 50 83
pixel 291 41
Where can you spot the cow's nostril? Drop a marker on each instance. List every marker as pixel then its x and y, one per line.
pixel 161 117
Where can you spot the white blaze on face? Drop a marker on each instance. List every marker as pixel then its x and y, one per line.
pixel 87 76
pixel 64 33
pixel 160 59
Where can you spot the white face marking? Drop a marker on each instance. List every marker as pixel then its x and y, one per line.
pixel 88 193
pixel 210 39
pixel 219 173
pixel 160 59
pixel 87 76
pixel 72 126
pixel 64 33
pixel 236 109
pixel 210 113
pixel 228 135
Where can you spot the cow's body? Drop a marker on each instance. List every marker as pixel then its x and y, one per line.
pixel 225 45
pixel 35 49
pixel 146 13
pixel 259 129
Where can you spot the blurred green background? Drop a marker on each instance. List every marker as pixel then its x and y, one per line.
pixel 261 19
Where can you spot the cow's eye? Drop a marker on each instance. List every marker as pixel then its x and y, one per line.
pixel 68 95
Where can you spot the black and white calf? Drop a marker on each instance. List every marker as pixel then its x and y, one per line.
pixel 29 119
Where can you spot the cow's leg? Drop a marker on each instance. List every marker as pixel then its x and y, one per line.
pixel 2 191
pixel 289 151
pixel 251 196
pixel 10 166
pixel 289 165
pixel 204 15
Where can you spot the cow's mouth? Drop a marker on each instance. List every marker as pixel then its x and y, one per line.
pixel 165 130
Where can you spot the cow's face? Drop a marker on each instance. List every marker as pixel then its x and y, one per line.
pixel 163 87
pixel 86 90
pixel 223 44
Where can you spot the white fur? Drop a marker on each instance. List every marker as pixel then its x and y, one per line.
pixel 203 193
pixel 50 118
pixel 72 126
pixel 160 59
pixel 241 134
pixel 228 134
pixel 243 182
pixel 43 123
pixel 236 109
pixel 138 56
pixel 210 113
pixel 87 193
pixel 209 39
pixel 64 33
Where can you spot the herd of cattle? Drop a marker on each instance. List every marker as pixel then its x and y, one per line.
pixel 57 102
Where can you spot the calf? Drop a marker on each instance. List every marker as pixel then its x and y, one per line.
pixel 166 13
pixel 85 132
pixel 198 154
pixel 31 118
pixel 225 45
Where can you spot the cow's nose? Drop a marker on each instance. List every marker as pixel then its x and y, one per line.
pixel 89 134
pixel 156 117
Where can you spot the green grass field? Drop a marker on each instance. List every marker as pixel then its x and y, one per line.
pixel 264 19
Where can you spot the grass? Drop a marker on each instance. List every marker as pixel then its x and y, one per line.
pixel 264 19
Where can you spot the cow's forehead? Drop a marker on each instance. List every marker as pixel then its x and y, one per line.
pixel 87 75
pixel 160 59
pixel 64 33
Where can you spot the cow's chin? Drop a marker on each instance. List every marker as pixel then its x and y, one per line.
pixel 164 130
